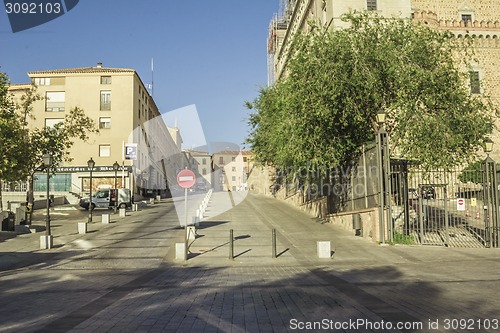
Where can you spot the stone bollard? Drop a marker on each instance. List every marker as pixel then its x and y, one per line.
pixel 105 218
pixel 135 207
pixel 123 212
pixel 151 201
pixel 190 233
pixel 196 221
pixel 46 242
pixel 82 227
pixel 158 198
pixel 324 249
pixel 180 251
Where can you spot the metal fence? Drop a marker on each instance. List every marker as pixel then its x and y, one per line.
pixel 456 208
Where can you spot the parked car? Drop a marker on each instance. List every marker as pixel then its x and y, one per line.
pixel 427 192
pixel 200 187
pixel 108 198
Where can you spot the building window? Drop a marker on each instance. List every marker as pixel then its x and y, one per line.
pixel 475 85
pixel 51 122
pixel 233 169
pixel 105 100
pixel 54 101
pixel 204 172
pixel 371 4
pixel 233 178
pixel 42 81
pixel 467 19
pixel 245 159
pixel 104 150
pixel 204 161
pixel 221 160
pixel 233 158
pixel 104 122
pixel 105 79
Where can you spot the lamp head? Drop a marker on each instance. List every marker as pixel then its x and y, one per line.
pixel 381 117
pixel 116 166
pixel 91 163
pixel 47 159
pixel 488 145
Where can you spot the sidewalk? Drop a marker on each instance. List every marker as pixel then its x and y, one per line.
pixel 16 248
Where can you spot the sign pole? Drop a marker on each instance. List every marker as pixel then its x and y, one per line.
pixel 123 164
pixel 185 207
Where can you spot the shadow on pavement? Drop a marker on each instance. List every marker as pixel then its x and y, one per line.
pixel 251 299
pixel 209 224
pixel 245 298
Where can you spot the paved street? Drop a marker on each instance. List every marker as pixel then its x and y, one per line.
pixel 123 277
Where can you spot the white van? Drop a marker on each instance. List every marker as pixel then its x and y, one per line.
pixel 108 198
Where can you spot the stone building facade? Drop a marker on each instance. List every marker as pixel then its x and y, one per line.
pixel 476 19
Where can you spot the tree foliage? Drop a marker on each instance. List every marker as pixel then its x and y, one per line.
pixel 337 81
pixel 22 148
pixel 12 147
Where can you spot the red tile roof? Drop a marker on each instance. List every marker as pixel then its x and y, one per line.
pixel 83 70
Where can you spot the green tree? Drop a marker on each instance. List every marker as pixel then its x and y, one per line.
pixel 337 81
pixel 24 158
pixel 56 141
pixel 12 148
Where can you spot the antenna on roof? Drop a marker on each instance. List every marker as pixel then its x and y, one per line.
pixel 152 78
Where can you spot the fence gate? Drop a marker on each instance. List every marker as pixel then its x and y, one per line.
pixel 449 208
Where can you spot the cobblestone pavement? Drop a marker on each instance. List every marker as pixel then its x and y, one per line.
pixel 123 277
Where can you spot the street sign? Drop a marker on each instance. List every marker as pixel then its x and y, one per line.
pixel 131 151
pixel 460 204
pixel 186 178
pixel 473 202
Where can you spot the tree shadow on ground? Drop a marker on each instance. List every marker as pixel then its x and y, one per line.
pixel 259 298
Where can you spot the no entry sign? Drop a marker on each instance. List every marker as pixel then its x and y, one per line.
pixel 460 204
pixel 186 178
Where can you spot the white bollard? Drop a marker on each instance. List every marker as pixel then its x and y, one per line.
pixel 123 212
pixel 180 251
pixel 105 218
pixel 135 207
pixel 324 249
pixel 82 227
pixel 191 233
pixel 46 242
pixel 196 222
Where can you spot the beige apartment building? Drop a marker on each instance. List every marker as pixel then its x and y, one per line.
pixel 231 169
pixel 131 130
pixel 201 165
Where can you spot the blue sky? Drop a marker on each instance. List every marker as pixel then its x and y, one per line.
pixel 210 53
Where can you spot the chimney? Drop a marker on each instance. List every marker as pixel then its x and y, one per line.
pixel 99 65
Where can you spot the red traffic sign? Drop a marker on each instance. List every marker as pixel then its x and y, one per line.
pixel 460 204
pixel 186 178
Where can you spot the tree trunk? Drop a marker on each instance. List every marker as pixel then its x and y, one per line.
pixel 1 198
pixel 29 200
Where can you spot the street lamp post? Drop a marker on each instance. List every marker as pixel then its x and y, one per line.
pixel 47 162
pixel 384 184
pixel 116 166
pixel 90 164
pixel 491 197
